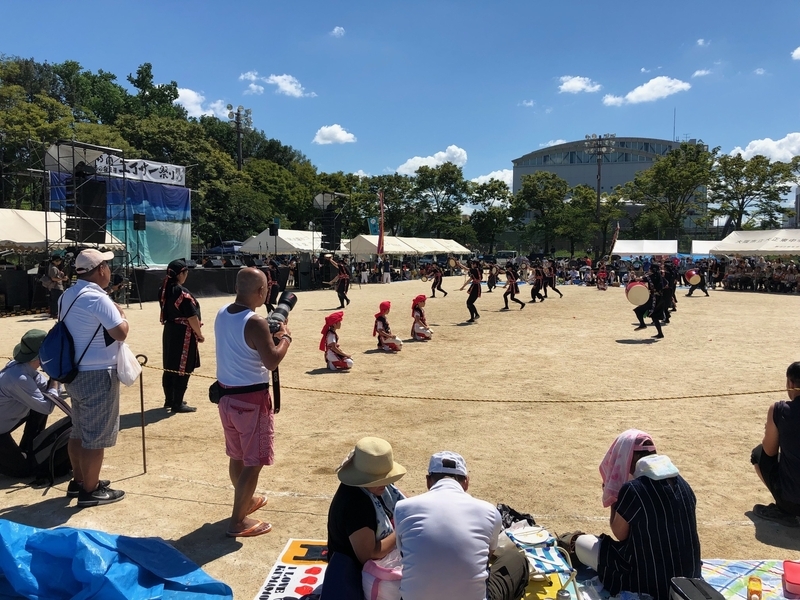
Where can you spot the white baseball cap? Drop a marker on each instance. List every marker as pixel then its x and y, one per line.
pixel 90 259
pixel 449 463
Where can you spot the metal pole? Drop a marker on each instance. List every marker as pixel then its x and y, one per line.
pixel 142 361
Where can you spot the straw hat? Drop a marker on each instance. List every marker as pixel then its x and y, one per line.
pixel 370 464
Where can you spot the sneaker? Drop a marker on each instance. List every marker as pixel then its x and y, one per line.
pixel 640 327
pixel 102 495
pixel 772 513
pixel 74 488
pixel 183 408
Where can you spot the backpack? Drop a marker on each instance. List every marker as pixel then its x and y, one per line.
pixel 50 458
pixel 57 353
pixel 46 282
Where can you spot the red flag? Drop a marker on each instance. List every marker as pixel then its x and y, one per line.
pixel 380 226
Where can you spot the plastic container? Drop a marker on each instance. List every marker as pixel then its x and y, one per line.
pixel 754 588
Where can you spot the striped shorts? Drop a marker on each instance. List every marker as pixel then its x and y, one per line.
pixel 95 408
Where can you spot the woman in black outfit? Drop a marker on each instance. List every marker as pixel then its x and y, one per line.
pixel 474 290
pixel 512 289
pixel 180 316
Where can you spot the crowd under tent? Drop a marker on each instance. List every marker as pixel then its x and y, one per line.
pixel 645 247
pixel 760 242
pixel 25 231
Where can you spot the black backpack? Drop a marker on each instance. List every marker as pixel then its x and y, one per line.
pixel 57 353
pixel 49 456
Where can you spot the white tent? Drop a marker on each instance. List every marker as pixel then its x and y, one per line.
pixel 776 241
pixel 36 230
pixel 289 241
pixel 453 247
pixel 703 247
pixel 368 244
pixel 425 245
pixel 645 247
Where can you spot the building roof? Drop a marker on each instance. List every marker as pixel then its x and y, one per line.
pixel 628 149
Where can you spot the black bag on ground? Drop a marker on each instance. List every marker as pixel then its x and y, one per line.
pixel 50 458
pixel 510 516
pixel 692 588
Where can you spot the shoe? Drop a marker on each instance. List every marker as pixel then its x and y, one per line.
pixel 102 495
pixel 348 301
pixel 477 316
pixel 640 327
pixel 183 408
pixel 342 306
pixel 504 308
pixel 659 336
pixel 531 301
pixel 470 320
pixel 521 306
pixel 74 488
pixel 688 295
pixel 445 294
pixel 772 513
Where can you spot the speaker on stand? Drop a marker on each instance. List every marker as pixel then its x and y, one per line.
pixel 139 225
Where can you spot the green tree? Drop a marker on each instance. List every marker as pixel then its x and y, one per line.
pixel 544 194
pixel 154 99
pixel 398 202
pixel 440 192
pixel 746 190
pixel 493 215
pixel 576 221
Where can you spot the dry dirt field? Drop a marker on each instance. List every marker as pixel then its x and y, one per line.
pixel 531 398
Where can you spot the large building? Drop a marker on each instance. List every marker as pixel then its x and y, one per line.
pixel 572 162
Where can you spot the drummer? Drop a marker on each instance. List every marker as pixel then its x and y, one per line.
pixel 435 273
pixel 655 302
pixel 701 282
pixel 512 289
pixel 491 280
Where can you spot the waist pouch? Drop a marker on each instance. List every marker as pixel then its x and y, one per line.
pixel 216 391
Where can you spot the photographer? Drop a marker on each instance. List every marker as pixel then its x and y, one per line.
pixel 246 351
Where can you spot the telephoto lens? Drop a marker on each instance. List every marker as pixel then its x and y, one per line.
pixel 285 305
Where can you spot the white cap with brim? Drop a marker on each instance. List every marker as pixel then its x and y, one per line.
pixel 90 259
pixel 447 463
pixel 370 464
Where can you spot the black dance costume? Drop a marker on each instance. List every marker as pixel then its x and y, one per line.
pixel 474 293
pixel 179 342
pixel 512 289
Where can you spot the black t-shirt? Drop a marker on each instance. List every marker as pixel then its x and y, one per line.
pixel 351 509
pixel 786 416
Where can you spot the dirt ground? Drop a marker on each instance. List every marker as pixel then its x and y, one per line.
pixel 565 366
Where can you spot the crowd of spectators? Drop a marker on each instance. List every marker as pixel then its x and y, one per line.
pixel 758 275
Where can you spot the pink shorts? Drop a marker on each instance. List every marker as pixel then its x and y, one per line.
pixel 249 429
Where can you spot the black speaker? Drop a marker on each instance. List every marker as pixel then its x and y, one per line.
pixel 233 262
pixel 86 218
pixel 273 229
pixel 190 263
pixel 213 263
pixel 252 261
pixel 139 222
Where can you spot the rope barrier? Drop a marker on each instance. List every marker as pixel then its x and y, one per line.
pixel 490 400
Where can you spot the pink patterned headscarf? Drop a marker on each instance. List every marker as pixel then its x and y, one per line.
pixel 616 466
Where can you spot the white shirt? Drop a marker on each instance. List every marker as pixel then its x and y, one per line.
pixel 238 365
pixel 445 537
pixel 331 338
pixel 93 307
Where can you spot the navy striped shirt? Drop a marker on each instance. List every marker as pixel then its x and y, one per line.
pixel 662 542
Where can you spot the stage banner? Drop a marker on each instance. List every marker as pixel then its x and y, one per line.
pixel 299 571
pixel 374 227
pixel 140 169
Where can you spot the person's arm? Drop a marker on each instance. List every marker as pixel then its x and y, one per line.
pixel 258 336
pixel 194 323
pixel 27 390
pixel 112 318
pixel 366 547
pixel 619 526
pixel 770 441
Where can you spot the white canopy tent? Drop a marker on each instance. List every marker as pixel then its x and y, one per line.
pixel 763 242
pixel 289 241
pixel 703 247
pixel 368 244
pixel 645 247
pixel 36 230
pixel 453 247
pixel 425 245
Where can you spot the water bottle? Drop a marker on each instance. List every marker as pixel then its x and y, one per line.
pixel 753 588
pixel 563 594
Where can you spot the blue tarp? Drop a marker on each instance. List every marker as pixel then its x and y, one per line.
pixel 50 564
pixel 167 209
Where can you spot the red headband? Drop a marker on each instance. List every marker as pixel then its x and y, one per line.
pixel 330 320
pixel 416 301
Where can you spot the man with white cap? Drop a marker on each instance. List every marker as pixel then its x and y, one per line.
pixel 446 538
pixel 96 324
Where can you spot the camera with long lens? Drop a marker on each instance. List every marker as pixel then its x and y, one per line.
pixel 285 305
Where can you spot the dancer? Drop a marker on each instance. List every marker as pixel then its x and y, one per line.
pixel 420 330
pixel 654 304
pixel 491 280
pixel 700 286
pixel 550 280
pixel 474 290
pixel 512 289
pixel 436 274
pixel 602 277
pixel 386 339
pixel 535 279
pixel 273 285
pixel 336 358
pixel 343 281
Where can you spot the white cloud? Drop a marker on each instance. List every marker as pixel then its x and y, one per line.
pixel 643 70
pixel 453 154
pixel 338 32
pixel 361 173
pixel 552 143
pixel 249 76
pixel 655 89
pixel 572 84
pixel 701 73
pixel 527 103
pixel 783 149
pixel 193 103
pixel 702 42
pixel 254 88
pixel 548 110
pixel 759 71
pixel 506 175
pixel 333 134
pixel 796 53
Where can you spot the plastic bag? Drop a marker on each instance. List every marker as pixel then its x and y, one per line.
pixel 128 367
pixel 380 579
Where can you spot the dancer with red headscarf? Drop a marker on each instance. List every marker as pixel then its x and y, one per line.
pixel 386 339
pixel 420 330
pixel 336 358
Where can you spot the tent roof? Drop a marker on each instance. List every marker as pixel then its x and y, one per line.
pixel 645 247
pixel 36 230
pixel 289 241
pixel 703 246
pixel 776 241
pixel 425 245
pixel 453 246
pixel 368 244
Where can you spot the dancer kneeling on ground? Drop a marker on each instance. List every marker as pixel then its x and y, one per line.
pixel 420 329
pixel 336 358
pixel 361 516
pixel 652 516
pixel 777 457
pixel 386 339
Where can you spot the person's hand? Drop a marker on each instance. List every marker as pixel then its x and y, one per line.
pixel 283 330
pixel 200 338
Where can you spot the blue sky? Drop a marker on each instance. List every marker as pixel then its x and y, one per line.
pixel 379 87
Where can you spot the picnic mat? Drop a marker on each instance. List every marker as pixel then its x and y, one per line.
pixel 299 570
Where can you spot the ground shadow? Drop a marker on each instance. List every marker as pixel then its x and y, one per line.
pixel 52 512
pixel 463 324
pixel 208 543
pixel 644 341
pixel 151 415
pixel 375 351
pixel 41 319
pixel 323 370
pixel 772 534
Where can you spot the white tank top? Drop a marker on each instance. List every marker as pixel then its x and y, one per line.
pixel 238 365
